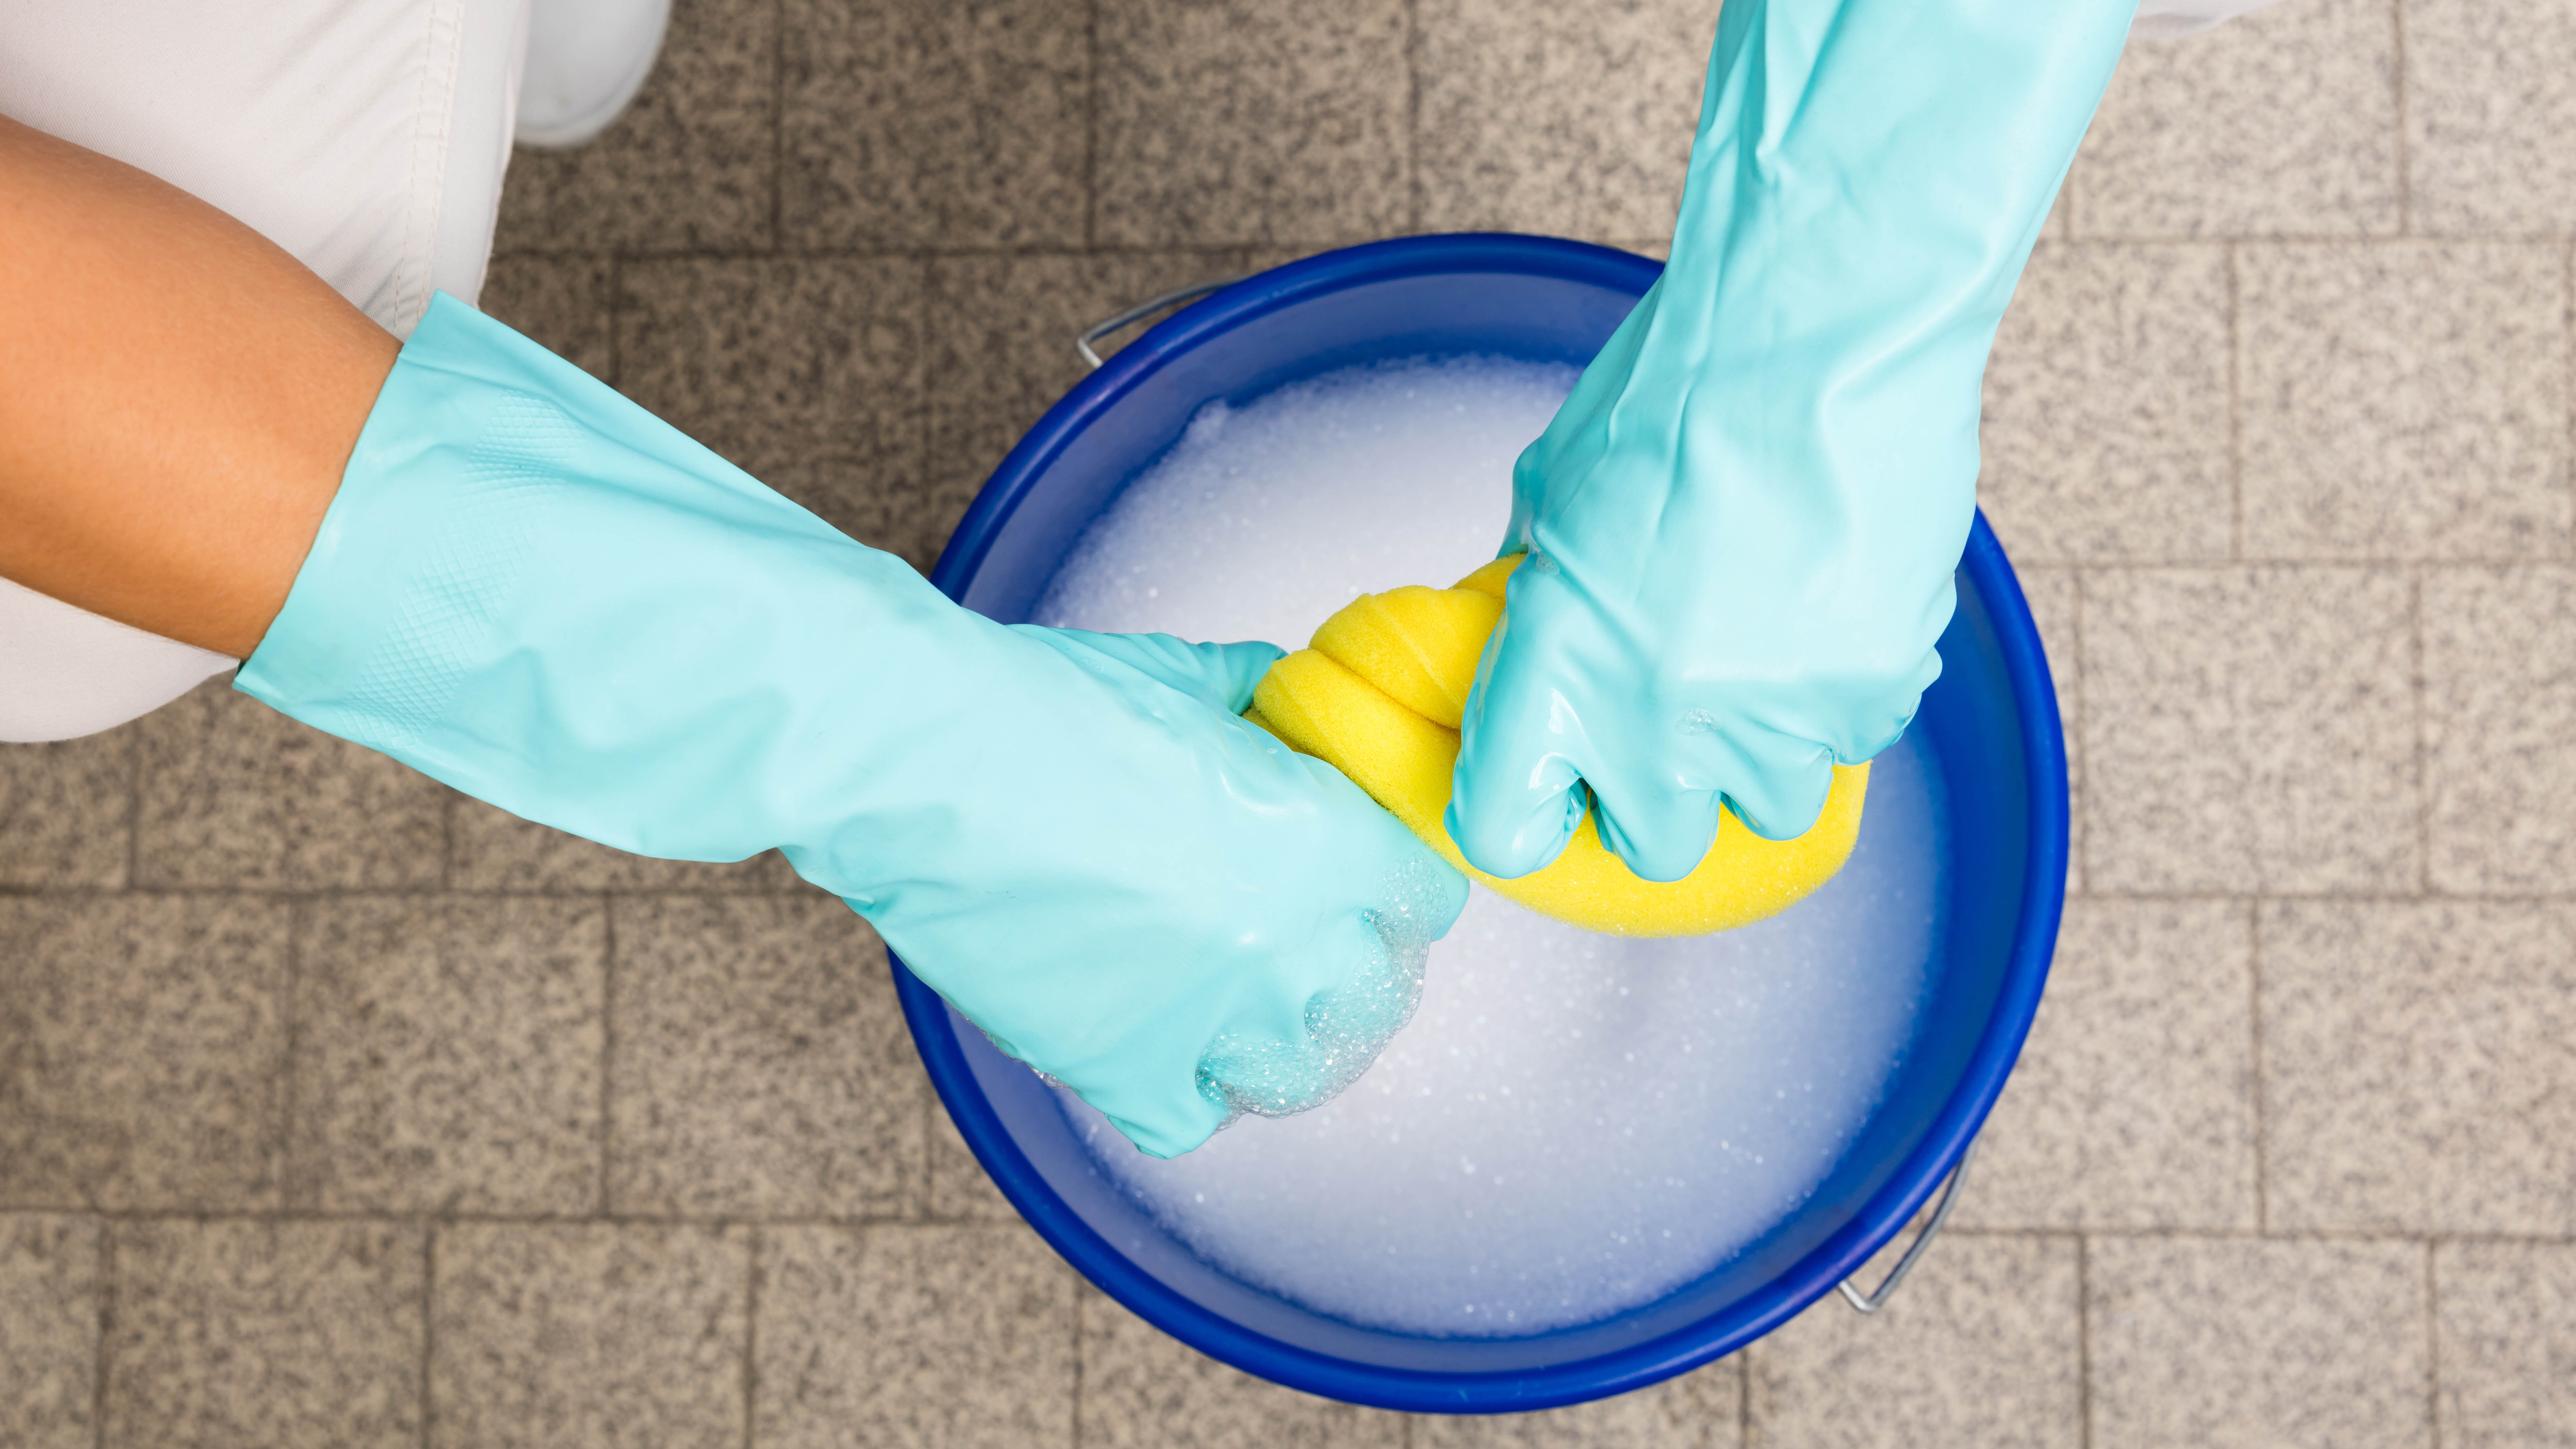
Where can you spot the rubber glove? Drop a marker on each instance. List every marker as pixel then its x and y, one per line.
pixel 533 590
pixel 1743 524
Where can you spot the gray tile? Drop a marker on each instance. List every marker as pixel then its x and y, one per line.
pixel 959 1189
pixel 1703 1409
pixel 1979 1347
pixel 2233 1344
pixel 1142 1389
pixel 2507 1344
pixel 2249 730
pixel 49 1304
pixel 912 123
pixel 236 794
pixel 759 1063
pixel 805 373
pixel 589 1334
pixel 1223 122
pixel 493 850
pixel 2419 1066
pixel 146 1046
pixel 2055 597
pixel 1570 122
pixel 2405 400
pixel 2500 769
pixel 279 1335
pixel 2133 1104
pixel 67 811
pixel 1001 351
pixel 691 165
pixel 449 1056
pixel 2283 122
pixel 2488 113
pixel 957 1337
pixel 562 302
pixel 2105 430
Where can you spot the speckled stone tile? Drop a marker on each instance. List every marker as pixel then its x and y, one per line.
pixel 563 302
pixel 921 123
pixel 1978 1347
pixel 2054 596
pixel 2499 763
pixel 2456 1024
pixel 145 1040
pixel 1225 122
pixel 553 1336
pixel 2283 122
pixel 959 1189
pixel 449 1056
pixel 758 1063
pixel 2507 1344
pixel 2488 113
pixel 2405 400
pixel 2202 1343
pixel 493 850
pixel 806 373
pixel 1001 348
pixel 692 165
pixel 2249 730
pixel 236 794
pixel 67 811
pixel 48 1331
pixel 281 1335
pixel 2105 431
pixel 1563 121
pixel 1143 1389
pixel 1703 1409
pixel 958 1337
pixel 2133 1104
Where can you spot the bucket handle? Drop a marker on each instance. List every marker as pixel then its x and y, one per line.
pixel 1873 1301
pixel 1100 331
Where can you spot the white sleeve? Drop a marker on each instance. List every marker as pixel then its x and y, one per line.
pixel 2162 19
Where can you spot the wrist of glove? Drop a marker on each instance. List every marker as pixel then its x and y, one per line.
pixel 534 591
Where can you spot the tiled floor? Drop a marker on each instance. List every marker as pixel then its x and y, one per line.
pixel 337 1110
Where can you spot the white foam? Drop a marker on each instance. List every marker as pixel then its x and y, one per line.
pixel 1574 1124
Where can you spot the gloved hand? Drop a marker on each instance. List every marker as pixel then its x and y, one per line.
pixel 1743 524
pixel 531 589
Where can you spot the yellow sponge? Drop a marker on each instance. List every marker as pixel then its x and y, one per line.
pixel 1379 694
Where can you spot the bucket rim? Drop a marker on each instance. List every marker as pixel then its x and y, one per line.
pixel 1634 1366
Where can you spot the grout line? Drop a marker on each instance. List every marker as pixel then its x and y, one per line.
pixel 607 1042
pixel 777 126
pixel 2235 403
pixel 299 921
pixel 1744 1397
pixel 751 1342
pixel 616 321
pixel 2567 337
pixel 133 812
pixel 1091 127
pixel 2405 158
pixel 2077 782
pixel 1080 1337
pixel 2262 1078
pixel 428 1329
pixel 2084 1341
pixel 2416 700
pixel 1416 202
pixel 2432 1345
pixel 99 1357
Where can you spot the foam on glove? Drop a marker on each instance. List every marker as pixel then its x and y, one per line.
pixel 1379 693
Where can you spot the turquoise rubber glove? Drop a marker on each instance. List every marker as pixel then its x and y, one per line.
pixel 530 588
pixel 1743 525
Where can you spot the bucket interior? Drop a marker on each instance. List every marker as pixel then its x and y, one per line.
pixel 1982 981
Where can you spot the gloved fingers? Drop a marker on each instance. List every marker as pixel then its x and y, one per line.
pixel 1220 676
pixel 1516 795
pixel 1780 797
pixel 1662 835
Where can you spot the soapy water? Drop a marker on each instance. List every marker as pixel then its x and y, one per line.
pixel 1573 1124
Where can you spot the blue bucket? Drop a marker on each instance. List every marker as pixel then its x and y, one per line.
pixel 1990 723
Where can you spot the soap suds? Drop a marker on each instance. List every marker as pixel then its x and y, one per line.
pixel 1573 1124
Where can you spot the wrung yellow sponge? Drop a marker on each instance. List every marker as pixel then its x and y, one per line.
pixel 1379 693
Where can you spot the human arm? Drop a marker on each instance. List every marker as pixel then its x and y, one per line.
pixel 1742 525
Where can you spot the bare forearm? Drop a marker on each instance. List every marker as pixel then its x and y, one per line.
pixel 178 397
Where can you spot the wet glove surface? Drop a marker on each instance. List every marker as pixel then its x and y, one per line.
pixel 535 591
pixel 1743 524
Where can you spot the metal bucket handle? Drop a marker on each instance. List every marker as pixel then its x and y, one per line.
pixel 1869 1302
